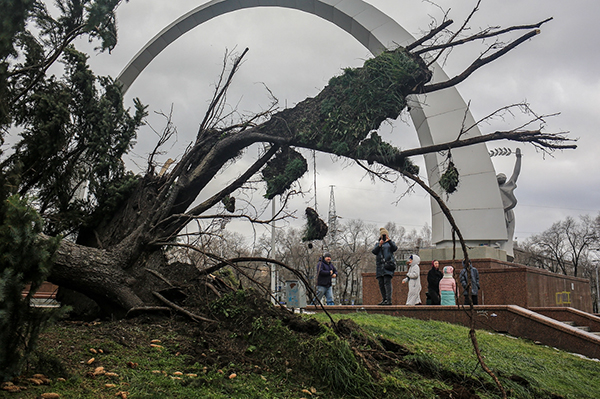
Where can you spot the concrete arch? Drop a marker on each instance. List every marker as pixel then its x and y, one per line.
pixel 438 117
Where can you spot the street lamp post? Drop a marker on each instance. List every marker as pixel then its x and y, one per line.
pixel 273 270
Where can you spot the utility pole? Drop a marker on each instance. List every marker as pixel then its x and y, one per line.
pixel 332 220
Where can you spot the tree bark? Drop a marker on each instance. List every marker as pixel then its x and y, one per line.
pixel 99 274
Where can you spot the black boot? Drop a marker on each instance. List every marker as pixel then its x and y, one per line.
pixel 382 302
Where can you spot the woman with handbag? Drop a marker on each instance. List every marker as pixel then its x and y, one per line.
pixel 386 265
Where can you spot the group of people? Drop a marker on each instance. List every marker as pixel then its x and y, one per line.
pixel 441 286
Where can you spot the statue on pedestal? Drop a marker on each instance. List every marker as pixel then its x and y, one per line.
pixel 509 201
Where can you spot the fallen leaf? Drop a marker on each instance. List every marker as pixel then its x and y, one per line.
pixel 306 391
pixel 50 395
pixel 110 386
pixel 94 351
pixel 132 365
pixel 99 371
pixel 155 341
pixel 232 376
pixel 156 372
pixel 35 381
pixel 178 373
pixel 192 375
pixel 109 374
pixel 313 389
pixel 91 360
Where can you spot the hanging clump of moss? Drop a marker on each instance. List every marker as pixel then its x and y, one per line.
pixel 229 203
pixel 449 180
pixel 315 229
pixel 284 169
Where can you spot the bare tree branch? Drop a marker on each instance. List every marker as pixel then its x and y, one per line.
pixel 464 25
pixel 542 140
pixel 428 36
pixel 178 308
pixel 478 64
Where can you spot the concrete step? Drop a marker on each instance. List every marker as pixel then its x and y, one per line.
pixel 583 328
pixel 43 303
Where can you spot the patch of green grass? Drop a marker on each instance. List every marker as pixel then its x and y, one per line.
pixel 525 369
pixel 437 357
pixel 141 370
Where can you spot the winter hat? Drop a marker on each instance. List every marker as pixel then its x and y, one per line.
pixel 448 270
pixel 326 255
pixel 383 231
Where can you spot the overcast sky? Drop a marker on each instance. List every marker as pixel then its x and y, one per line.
pixel 295 54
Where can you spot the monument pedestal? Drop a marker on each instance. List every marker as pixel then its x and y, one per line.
pixel 480 252
pixel 502 283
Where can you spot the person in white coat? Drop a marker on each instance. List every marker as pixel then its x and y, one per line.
pixel 413 278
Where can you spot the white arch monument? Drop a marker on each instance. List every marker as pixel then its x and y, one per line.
pixel 438 117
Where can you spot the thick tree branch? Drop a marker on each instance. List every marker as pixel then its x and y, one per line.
pixel 536 137
pixel 177 222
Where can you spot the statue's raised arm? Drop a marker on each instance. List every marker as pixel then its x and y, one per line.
pixel 517 170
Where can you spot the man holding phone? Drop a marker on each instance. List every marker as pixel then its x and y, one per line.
pixel 385 265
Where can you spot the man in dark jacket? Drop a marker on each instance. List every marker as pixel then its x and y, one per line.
pixel 385 265
pixel 474 284
pixel 325 272
pixel 433 283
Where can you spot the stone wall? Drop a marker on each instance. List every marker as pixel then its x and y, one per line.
pixel 502 283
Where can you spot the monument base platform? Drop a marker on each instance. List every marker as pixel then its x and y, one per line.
pixel 480 252
pixel 502 283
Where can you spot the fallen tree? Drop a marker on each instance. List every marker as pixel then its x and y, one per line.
pixel 117 226
pixel 121 228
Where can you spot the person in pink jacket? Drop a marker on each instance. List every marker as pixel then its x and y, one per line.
pixel 448 287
